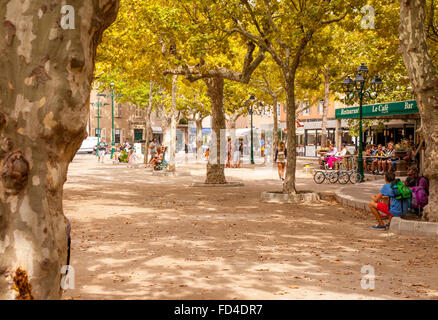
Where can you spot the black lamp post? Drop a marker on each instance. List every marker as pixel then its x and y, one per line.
pixel 357 86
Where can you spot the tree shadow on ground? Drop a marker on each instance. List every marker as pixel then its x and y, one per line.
pixel 159 238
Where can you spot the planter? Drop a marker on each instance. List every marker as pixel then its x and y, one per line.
pixel 400 154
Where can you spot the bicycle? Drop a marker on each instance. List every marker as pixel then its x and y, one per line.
pixel 321 175
pixel 354 176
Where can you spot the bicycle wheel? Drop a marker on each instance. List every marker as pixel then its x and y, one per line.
pixel 344 177
pixel 355 177
pixel 319 177
pixel 333 177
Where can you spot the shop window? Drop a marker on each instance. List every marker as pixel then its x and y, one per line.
pixel 138 134
pixel 310 137
pixel 118 110
pixel 138 113
pixel 306 111
pixel 117 136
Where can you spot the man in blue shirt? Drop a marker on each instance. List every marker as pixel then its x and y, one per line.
pixel 389 211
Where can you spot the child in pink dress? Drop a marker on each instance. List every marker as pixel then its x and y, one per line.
pixel 131 158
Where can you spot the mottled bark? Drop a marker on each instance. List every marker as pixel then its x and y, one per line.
pixel 289 183
pixel 199 141
pixel 275 134
pixel 325 108
pixel 215 91
pixel 44 104
pixel 172 144
pixel 424 79
pixel 148 127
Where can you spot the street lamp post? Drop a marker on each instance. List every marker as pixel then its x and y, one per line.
pixel 358 86
pixel 112 120
pixel 98 120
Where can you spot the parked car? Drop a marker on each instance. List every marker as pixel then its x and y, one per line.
pixel 88 145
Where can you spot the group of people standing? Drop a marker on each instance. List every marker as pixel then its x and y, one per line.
pixel 234 154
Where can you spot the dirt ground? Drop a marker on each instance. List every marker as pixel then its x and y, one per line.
pixel 138 236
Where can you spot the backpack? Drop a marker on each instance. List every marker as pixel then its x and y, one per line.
pixel 400 190
pixel 281 156
pixel 419 198
pixel 403 194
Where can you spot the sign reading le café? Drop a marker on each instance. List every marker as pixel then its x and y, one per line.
pixel 379 110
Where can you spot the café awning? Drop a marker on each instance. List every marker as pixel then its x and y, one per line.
pixel 379 110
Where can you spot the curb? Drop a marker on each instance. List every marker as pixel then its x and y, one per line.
pixel 414 228
pixel 349 201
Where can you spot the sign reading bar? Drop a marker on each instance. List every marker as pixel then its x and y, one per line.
pixel 378 110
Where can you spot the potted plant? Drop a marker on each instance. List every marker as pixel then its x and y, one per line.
pixel 400 151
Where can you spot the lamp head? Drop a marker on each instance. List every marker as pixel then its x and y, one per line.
pixel 376 84
pixel 363 70
pixel 348 85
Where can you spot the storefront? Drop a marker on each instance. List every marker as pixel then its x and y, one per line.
pixel 309 137
pixel 401 120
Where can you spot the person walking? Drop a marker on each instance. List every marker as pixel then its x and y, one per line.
pixel 280 159
pixel 153 150
pixel 236 156
pixel 102 150
pixel 241 153
pixel 229 152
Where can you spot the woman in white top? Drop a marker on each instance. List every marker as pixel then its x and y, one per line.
pixel 236 156
pixel 338 157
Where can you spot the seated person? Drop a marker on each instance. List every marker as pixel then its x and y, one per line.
pixel 394 209
pixel 331 153
pixel 389 152
pixel 407 158
pixel 339 156
pixel 158 157
pixel 419 186
pixel 376 162
pixel 368 160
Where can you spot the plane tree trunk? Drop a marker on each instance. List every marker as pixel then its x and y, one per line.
pixel 44 104
pixel 148 128
pixel 172 135
pixel 325 108
pixel 289 183
pixel 215 91
pixel 424 79
pixel 275 133
pixel 199 141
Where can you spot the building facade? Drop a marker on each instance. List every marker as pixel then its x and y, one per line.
pixel 129 121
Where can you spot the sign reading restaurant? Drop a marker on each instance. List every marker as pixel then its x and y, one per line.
pixel 378 110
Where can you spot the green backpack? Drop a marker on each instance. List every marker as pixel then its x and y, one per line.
pixel 400 190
